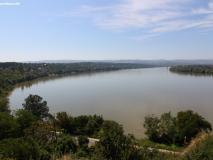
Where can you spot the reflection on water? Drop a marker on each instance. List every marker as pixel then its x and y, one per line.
pixel 125 96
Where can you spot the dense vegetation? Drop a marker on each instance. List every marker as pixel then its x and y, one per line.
pixel 33 133
pixel 193 69
pixel 203 151
pixel 177 130
pixel 13 73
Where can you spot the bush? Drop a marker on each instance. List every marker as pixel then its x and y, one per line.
pixel 65 122
pixel 4 105
pixel 42 132
pixel 175 130
pixel 189 124
pixel 81 125
pixel 83 141
pixel 25 119
pixel 20 149
pixel 8 126
pixel 114 144
pixel 65 145
pixel 204 151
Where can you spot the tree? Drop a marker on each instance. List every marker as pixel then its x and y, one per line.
pixel 22 149
pixel 34 104
pixel 4 105
pixel 83 141
pixel 83 150
pixel 167 128
pixel 93 125
pixel 189 124
pixel 24 119
pixel 8 126
pixel 65 121
pixel 175 130
pixel 66 144
pixel 42 132
pixel 151 124
pixel 80 124
pixel 113 143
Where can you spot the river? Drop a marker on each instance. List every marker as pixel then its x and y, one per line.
pixel 125 96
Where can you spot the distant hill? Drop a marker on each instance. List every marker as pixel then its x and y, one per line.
pixel 162 63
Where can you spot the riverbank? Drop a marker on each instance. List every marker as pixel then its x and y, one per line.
pixel 12 74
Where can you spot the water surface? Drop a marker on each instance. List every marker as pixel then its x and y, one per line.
pixel 125 96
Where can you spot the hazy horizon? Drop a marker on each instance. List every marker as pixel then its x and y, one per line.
pixel 104 60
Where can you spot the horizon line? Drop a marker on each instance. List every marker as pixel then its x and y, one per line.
pixel 84 60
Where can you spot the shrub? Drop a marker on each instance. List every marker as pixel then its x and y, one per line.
pixel 66 144
pixel 8 126
pixel 20 149
pixel 204 151
pixel 175 130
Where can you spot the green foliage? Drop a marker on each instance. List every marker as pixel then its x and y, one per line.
pixel 87 125
pixel 175 130
pixel 193 69
pixel 30 135
pixel 4 105
pixel 66 144
pixel 167 128
pixel 204 151
pixel 151 124
pixel 21 149
pixel 147 154
pixel 25 119
pixel 189 124
pixel 35 105
pixel 8 126
pixel 65 122
pixel 81 125
pixel 83 141
pixel 114 144
pixel 42 132
pixel 83 149
pixel 148 143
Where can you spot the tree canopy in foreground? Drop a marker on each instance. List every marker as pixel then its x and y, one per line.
pixel 32 133
pixel 175 130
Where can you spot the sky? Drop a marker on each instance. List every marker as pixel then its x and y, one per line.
pixel 32 30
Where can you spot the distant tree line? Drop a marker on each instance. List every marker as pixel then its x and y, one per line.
pixel 13 73
pixel 193 69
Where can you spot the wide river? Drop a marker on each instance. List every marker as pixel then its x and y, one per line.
pixel 125 96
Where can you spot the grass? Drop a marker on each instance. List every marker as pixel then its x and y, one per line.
pixel 148 143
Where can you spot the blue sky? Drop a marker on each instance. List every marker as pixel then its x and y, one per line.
pixel 105 29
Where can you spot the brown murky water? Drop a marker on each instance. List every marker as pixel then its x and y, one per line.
pixel 125 96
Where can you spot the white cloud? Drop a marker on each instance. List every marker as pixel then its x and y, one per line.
pixel 204 10
pixel 10 3
pixel 153 16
